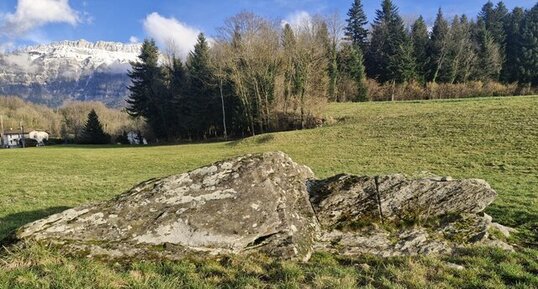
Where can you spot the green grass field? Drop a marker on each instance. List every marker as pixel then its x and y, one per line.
pixel 495 139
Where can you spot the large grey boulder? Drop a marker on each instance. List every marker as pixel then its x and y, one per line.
pixel 251 203
pixel 267 203
pixel 344 199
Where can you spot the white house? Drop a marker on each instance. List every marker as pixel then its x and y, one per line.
pixel 12 139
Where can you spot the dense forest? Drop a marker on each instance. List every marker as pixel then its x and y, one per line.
pixel 259 75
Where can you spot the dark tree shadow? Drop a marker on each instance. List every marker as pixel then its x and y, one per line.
pixel 10 223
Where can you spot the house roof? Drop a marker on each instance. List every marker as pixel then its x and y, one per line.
pixel 17 132
pixel 14 133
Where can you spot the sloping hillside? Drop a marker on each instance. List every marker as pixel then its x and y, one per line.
pixel 495 139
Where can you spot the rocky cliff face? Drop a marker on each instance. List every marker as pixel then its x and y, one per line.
pixel 68 70
pixel 267 203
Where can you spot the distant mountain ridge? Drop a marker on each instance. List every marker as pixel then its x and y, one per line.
pixel 69 70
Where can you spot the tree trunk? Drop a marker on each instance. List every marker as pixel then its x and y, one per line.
pixel 223 110
pixel 393 90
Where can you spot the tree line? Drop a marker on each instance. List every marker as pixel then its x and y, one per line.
pixel 498 46
pixel 66 123
pixel 259 75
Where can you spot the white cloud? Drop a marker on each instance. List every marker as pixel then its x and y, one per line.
pixel 31 14
pixel 170 33
pixel 117 68
pixel 134 39
pixel 299 20
pixel 22 62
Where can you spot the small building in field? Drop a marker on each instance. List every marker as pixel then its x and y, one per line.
pixel 13 139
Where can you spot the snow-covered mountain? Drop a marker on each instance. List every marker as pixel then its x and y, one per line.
pixel 68 70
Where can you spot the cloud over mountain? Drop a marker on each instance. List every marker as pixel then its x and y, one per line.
pixel 170 33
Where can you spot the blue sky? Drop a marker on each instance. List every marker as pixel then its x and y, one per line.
pixel 24 22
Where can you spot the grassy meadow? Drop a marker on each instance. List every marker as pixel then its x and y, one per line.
pixel 495 139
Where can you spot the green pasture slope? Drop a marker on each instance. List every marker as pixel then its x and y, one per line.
pixel 495 139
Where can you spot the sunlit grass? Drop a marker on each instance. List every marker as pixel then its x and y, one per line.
pixel 495 139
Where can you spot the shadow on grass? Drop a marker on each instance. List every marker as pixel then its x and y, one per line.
pixel 76 146
pixel 525 221
pixel 114 146
pixel 10 223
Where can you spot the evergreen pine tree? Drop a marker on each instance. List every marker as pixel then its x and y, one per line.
pixel 489 54
pixel 289 45
pixel 355 30
pixel 510 72
pixel 497 28
pixel 403 64
pixel 148 96
pixel 420 39
pixel 528 55
pixel 330 46
pixel 93 132
pixel 493 18
pixel 179 111
pixel 438 49
pixel 203 89
pixel 351 65
pixel 332 71
pixel 487 13
pixel 389 46
pixel 461 54
pixel 288 37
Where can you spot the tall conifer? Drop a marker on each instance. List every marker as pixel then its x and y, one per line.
pixel 420 38
pixel 93 132
pixel 514 22
pixel 355 29
pixel 203 88
pixel 389 46
pixel 438 50
pixel 148 96
pixel 528 56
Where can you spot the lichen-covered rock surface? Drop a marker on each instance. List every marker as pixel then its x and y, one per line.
pixel 268 203
pixel 347 198
pixel 250 203
pixel 396 215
